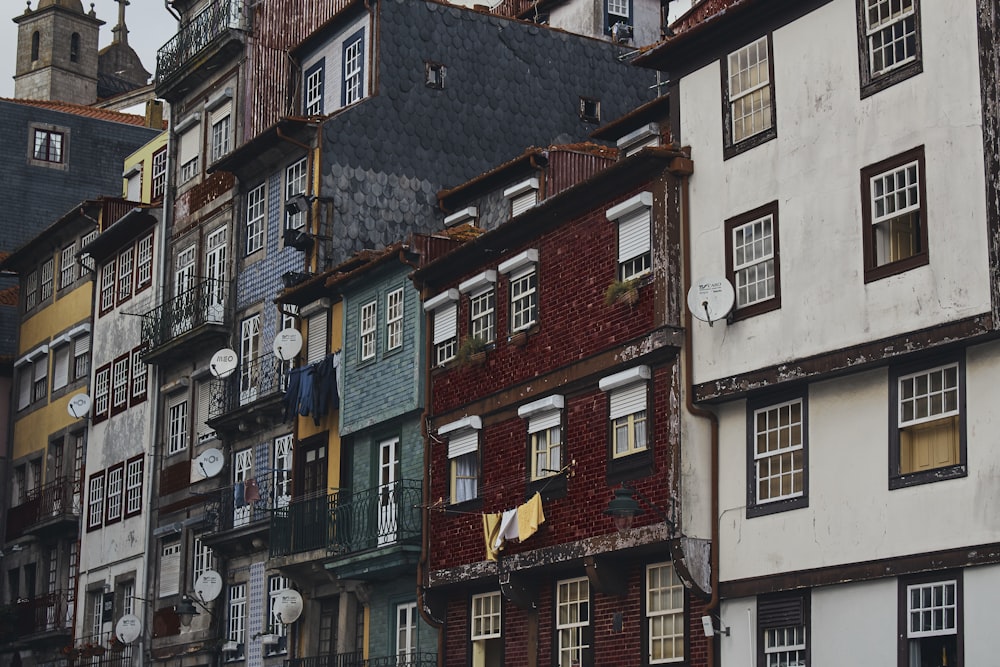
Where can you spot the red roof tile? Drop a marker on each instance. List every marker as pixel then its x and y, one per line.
pixel 8 297
pixel 83 110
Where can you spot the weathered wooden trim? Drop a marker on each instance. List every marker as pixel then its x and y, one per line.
pixel 932 561
pixel 559 555
pixel 657 347
pixel 989 77
pixel 849 359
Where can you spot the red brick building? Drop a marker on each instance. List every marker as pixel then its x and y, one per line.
pixel 554 355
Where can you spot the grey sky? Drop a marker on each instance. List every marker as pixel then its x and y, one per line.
pixel 150 25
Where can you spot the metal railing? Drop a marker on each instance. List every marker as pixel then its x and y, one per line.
pixel 378 517
pixel 245 503
pixel 303 525
pixel 354 659
pixel 205 303
pixel 48 613
pixel 263 377
pixel 101 651
pixel 216 20
pixel 58 498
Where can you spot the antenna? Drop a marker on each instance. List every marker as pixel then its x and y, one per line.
pixel 223 363
pixel 287 344
pixel 79 406
pixel 209 462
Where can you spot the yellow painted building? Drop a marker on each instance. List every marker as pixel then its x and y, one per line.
pixel 145 175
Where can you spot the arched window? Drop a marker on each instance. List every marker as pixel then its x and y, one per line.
pixel 74 48
pixel 35 38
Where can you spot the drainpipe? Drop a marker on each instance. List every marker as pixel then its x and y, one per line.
pixel 696 411
pixel 426 499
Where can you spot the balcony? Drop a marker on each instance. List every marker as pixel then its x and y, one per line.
pixel 354 659
pixel 41 620
pixel 242 514
pixel 187 323
pixel 377 532
pixel 57 509
pixel 101 651
pixel 195 52
pixel 304 525
pixel 256 389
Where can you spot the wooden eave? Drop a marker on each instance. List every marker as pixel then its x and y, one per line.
pixel 129 226
pixel 269 148
pixel 53 235
pixel 489 180
pixel 653 111
pixel 570 203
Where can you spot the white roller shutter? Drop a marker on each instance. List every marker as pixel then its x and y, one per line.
pixel 463 442
pixel 523 202
pixel 60 367
pixel 24 387
pixel 445 322
pixel 188 144
pixel 544 420
pixel 170 569
pixel 316 341
pixel 221 112
pixel 205 432
pixel 633 235
pixel 628 400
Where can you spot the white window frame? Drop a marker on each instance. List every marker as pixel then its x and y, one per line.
pixel 133 486
pixel 203 559
pixel 545 435
pixel 125 275
pixel 295 184
pixel 633 218
pixel 883 33
pixel 109 285
pixel 275 585
pixel 912 396
pixel 750 94
pixel 487 617
pixel 463 456
pixel 481 290
pixel 625 390
pixel 572 620
pixel 664 614
pixel 67 266
pixel 753 261
pixel 144 262
pixel 114 491
pixel 779 430
pixel 394 320
pixel 46 284
pixel 140 374
pixel 31 290
pixel 120 384
pixel 256 219
pixel 221 131
pixel 444 308
pixel 159 173
pixel 237 618
pixel 522 273
pixel 177 426
pixel 313 89
pixel 95 501
pixel 368 333
pixel 102 391
pixel 885 194
pixel 354 69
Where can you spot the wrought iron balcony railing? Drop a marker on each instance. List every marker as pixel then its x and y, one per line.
pixel 205 303
pixel 264 377
pixel 51 612
pixel 57 499
pixel 215 21
pixel 101 651
pixel 248 502
pixel 304 524
pixel 378 517
pixel 354 659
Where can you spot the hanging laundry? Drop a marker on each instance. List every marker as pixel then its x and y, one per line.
pixel 251 492
pixel 491 530
pixel 239 498
pixel 291 399
pixel 508 529
pixel 529 517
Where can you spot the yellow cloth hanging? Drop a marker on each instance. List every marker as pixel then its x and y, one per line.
pixel 529 517
pixel 491 528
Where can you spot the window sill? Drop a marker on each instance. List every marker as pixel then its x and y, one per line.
pixel 751 142
pixel 632 466
pixel 879 82
pixel 777 507
pixel 873 273
pixel 928 476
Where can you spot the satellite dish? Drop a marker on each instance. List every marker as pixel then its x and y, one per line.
pixel 287 605
pixel 79 406
pixel 208 586
pixel 223 363
pixel 711 298
pixel 287 344
pixel 210 462
pixel 128 628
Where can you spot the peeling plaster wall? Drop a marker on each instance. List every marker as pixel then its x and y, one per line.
pixel 825 134
pixel 852 515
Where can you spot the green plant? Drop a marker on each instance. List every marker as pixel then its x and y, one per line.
pixel 468 348
pixel 622 291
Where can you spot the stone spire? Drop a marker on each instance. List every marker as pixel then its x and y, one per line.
pixel 120 31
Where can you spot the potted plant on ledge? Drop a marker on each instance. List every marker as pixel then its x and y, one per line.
pixel 471 351
pixel 622 291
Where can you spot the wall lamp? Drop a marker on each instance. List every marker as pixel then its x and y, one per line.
pixel 624 508
pixel 186 611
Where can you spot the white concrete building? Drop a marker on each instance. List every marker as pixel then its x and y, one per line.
pixel 839 184
pixel 114 536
